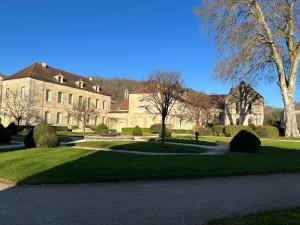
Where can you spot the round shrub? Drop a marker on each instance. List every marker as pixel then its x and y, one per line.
pixel 48 140
pixel 168 133
pixel 156 128
pixel 12 129
pixel 29 140
pixel 245 141
pixel 137 131
pixel 74 127
pixel 101 128
pixel 218 130
pixel 266 131
pixel 4 135
pixel 45 136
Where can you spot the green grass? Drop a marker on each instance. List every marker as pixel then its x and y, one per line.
pixel 194 142
pixel 66 165
pixel 279 217
pixel 142 147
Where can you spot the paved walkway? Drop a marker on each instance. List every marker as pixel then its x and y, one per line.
pixel 176 202
pixel 218 149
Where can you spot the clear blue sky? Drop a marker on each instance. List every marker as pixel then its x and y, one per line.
pixel 113 39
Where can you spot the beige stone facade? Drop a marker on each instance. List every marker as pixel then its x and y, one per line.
pixel 53 100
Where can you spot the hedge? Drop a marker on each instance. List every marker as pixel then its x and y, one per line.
pixel 266 131
pixel 205 131
pixel 128 130
pixel 137 131
pixel 232 130
pixel 60 128
pixel 101 128
pixel 217 130
pixel 180 131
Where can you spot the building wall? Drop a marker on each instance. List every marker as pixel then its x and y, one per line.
pixel 39 88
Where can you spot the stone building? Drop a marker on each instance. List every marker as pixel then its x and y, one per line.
pixel 241 106
pixel 55 92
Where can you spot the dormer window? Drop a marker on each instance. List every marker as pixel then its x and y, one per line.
pixel 80 84
pixel 60 78
pixel 97 88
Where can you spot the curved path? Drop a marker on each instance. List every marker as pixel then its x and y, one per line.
pixel 218 149
pixel 176 202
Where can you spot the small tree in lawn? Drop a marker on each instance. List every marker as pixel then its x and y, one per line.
pixel 84 112
pixel 18 105
pixel 163 89
pixel 197 109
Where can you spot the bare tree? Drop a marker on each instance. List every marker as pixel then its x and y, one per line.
pixel 17 105
pixel 84 112
pixel 162 91
pixel 243 99
pixel 198 107
pixel 257 39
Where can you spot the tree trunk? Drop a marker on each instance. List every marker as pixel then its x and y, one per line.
pixel 163 129
pixel 291 125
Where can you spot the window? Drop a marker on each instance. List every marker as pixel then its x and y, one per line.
pixel 48 96
pixel 59 97
pixel 97 103
pixel 69 118
pixel 23 91
pixel 96 120
pixel 70 101
pixel 59 118
pixel 141 103
pixel 7 92
pixel 249 121
pixel 80 100
pixel 250 108
pixel 237 107
pixel 237 122
pixel 60 79
pixel 104 104
pixel 89 102
pixel 80 84
pixel 47 117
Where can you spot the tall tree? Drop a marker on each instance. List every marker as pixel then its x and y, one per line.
pixel 258 39
pixel 84 112
pixel 162 91
pixel 18 105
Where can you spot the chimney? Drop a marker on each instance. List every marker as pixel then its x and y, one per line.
pixel 44 65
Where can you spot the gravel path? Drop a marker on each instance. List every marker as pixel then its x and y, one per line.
pixel 176 202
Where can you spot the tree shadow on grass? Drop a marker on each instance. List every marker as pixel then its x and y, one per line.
pixel 110 166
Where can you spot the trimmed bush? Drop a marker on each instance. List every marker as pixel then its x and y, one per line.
pixel 74 127
pixel 12 129
pixel 218 130
pixel 4 135
pixel 137 131
pixel 48 140
pixel 156 128
pixel 45 136
pixel 168 133
pixel 101 128
pixel 232 130
pixel 266 131
pixel 205 131
pixel 29 140
pixel 245 141
pixel 129 130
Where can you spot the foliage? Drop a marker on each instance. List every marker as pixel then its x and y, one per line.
pixel 60 128
pixel 245 141
pixel 180 131
pixel 74 127
pixel 218 130
pixel 205 131
pixel 48 140
pixel 5 136
pixel 232 130
pixel 266 131
pixel 45 136
pixel 12 129
pixel 128 130
pixel 272 116
pixel 168 133
pixel 156 128
pixel 137 131
pixel 29 140
pixel 101 128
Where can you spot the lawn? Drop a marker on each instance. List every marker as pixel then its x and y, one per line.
pixel 142 146
pixel 66 165
pixel 280 217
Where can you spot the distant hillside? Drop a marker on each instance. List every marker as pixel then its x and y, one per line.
pixel 117 86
